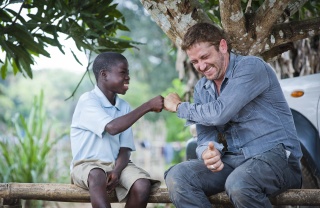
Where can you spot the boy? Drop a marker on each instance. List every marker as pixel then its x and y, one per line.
pixel 102 139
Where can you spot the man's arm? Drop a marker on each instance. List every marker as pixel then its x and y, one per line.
pixel 121 123
pixel 249 80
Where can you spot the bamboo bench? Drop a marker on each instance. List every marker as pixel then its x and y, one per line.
pixel 12 193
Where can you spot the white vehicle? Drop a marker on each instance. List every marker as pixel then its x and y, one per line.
pixel 303 97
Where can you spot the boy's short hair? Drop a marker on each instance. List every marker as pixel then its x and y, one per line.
pixel 105 61
pixel 204 32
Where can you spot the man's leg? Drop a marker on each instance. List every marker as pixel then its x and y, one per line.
pixel 190 183
pixel 97 188
pixel 262 176
pixel 139 194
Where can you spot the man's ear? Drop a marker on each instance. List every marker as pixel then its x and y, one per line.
pixel 223 46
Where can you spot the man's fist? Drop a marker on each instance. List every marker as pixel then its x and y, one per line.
pixel 212 158
pixel 171 102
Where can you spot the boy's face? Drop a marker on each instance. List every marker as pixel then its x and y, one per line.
pixel 117 78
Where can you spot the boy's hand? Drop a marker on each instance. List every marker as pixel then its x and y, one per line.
pixel 156 103
pixel 212 158
pixel 112 180
pixel 171 102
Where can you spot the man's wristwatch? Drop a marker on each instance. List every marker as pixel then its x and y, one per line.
pixel 177 106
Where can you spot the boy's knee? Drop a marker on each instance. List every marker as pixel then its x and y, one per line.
pixel 96 177
pixel 142 187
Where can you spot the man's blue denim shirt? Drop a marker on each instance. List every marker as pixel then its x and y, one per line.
pixel 251 110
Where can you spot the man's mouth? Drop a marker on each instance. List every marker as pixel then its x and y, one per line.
pixel 126 85
pixel 208 71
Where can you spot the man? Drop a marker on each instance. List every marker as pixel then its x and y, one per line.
pixel 102 138
pixel 247 141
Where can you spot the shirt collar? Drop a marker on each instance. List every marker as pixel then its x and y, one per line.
pixel 104 100
pixel 228 74
pixel 232 61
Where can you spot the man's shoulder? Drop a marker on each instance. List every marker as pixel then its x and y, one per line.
pixel 248 59
pixel 246 64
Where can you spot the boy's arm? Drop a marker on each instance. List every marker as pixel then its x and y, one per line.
pixel 121 123
pixel 121 162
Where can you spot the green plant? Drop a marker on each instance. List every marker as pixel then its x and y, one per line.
pixel 176 129
pixel 25 154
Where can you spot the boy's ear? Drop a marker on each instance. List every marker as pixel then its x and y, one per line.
pixel 103 73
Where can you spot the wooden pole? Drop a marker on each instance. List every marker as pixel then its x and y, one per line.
pixel 72 193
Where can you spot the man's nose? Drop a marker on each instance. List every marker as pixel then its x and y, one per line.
pixel 202 66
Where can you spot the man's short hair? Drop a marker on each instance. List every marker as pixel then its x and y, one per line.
pixel 203 32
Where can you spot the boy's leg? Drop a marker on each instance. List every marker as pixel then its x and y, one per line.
pixel 135 186
pixel 262 176
pixel 97 188
pixel 190 183
pixel 139 194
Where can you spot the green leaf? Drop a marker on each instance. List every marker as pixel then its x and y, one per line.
pixel 4 16
pixel 36 18
pixel 26 39
pixel 20 53
pixel 4 69
pixel 75 57
pixel 16 15
pixel 15 67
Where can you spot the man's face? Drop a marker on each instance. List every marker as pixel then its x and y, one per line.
pixel 208 61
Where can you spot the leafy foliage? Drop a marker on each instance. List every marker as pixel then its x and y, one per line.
pixel 26 33
pixel 24 157
pixel 176 131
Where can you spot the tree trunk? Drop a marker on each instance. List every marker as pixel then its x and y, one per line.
pixel 265 32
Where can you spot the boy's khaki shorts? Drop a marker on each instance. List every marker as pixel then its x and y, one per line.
pixel 131 173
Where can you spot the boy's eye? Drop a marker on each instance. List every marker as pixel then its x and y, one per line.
pixel 125 72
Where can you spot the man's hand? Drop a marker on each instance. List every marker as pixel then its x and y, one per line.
pixel 212 158
pixel 171 102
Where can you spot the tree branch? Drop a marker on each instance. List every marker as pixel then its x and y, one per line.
pixel 276 51
pixel 266 16
pixel 232 18
pixel 292 31
pixel 291 9
pixel 249 7
pixel 283 35
pixel 18 14
pixel 174 18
